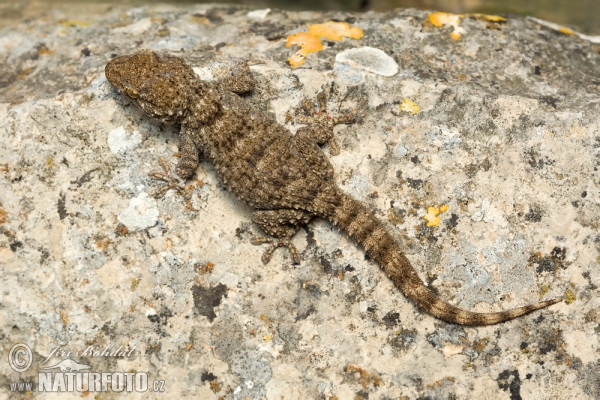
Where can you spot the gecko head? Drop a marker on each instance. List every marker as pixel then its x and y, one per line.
pixel 159 83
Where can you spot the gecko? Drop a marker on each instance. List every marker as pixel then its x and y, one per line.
pixel 285 178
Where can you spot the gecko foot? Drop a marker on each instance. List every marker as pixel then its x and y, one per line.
pixel 172 181
pixel 275 243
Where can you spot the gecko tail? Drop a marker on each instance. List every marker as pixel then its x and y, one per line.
pixel 368 231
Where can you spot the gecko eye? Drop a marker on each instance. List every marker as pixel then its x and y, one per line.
pixel 131 91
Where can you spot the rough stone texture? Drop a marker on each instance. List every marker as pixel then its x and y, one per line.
pixel 507 137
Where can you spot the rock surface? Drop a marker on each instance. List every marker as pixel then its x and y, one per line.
pixel 481 152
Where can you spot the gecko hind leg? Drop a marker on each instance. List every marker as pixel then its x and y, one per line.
pixel 280 225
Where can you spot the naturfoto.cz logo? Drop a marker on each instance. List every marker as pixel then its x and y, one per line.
pixel 69 375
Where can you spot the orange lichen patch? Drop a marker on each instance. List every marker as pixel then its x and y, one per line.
pixel 64 318
pixel 439 19
pixel 364 378
pixel 168 243
pixel 432 215
pixel 310 42
pixel 102 244
pixel 25 72
pixel 2 216
pixel 4 168
pixel 44 51
pixel 335 30
pixel 566 31
pixel 205 269
pixel 214 386
pixel 122 230
pixel 409 106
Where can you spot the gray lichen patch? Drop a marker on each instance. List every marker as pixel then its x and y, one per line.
pixel 501 157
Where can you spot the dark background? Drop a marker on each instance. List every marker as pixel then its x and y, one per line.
pixel 581 15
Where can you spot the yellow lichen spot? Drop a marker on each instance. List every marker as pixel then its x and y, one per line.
pixel 409 106
pixel 267 337
pixel 134 284
pixel 44 51
pixel 50 162
pixel 455 35
pixel 73 22
pixel 566 31
pixel 441 18
pixel 432 215
pixel 487 17
pixel 335 30
pixel 494 18
pixel 570 296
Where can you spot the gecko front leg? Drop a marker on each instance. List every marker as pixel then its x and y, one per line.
pixel 185 168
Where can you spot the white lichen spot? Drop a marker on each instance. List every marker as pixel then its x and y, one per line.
pixel 260 14
pixel 368 59
pixel 137 28
pixel 140 214
pixel 120 141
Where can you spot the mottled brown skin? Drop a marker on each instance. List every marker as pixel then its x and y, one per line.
pixel 287 179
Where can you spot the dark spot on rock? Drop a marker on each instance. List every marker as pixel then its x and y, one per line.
pixel 511 382
pixel 62 211
pixel 391 319
pixel 207 299
pixel 528 376
pixel 349 268
pixel 549 101
pixel 523 345
pixel 86 52
pixel 308 294
pixel 327 267
pixel 362 395
pixel 560 253
pixel 415 159
pixel 404 339
pixel 416 184
pixel 208 376
pixel 550 263
pixel 16 245
pixel 534 214
pixel 537 70
pixel 154 318
pixel 584 194
pixel 372 309
pixel 452 222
